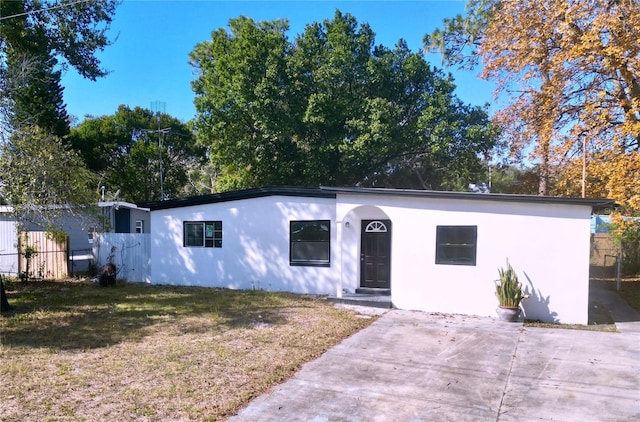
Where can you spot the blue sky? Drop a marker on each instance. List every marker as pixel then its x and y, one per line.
pixel 153 38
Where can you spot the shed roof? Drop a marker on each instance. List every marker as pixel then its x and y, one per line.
pixel 332 192
pixel 121 204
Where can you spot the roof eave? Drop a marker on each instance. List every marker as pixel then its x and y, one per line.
pixel 594 203
pixel 239 195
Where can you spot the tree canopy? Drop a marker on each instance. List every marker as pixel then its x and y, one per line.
pixel 39 174
pixel 332 108
pixel 41 177
pixel 570 72
pixel 38 39
pixel 130 149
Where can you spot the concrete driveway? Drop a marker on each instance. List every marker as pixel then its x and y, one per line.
pixel 413 366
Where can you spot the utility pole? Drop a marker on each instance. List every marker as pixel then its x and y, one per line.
pixel 584 165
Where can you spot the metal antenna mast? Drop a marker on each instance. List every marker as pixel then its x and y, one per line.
pixel 159 107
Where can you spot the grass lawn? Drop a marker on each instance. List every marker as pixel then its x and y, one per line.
pixel 74 351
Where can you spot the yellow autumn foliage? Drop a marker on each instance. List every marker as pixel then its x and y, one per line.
pixel 617 177
pixel 569 73
pixel 571 70
pixel 607 176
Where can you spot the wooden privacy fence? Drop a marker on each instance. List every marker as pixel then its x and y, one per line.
pixel 130 252
pixel 48 259
pixel 604 252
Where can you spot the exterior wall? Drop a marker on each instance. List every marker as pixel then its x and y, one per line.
pixel 79 245
pixel 255 246
pixel 137 214
pixel 108 223
pixel 555 274
pixel 8 247
pixel 78 236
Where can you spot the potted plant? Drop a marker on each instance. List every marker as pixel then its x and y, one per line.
pixel 509 294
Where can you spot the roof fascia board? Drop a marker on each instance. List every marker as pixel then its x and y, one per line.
pixel 331 192
pixel 123 204
pixel 595 203
pixel 239 195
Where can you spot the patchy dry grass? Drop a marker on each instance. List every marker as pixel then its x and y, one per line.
pixel 74 351
pixel 596 327
pixel 630 291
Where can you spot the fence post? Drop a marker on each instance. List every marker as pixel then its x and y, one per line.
pixel 618 269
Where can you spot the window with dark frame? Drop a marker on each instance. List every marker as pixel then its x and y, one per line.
pixel 310 243
pixel 206 234
pixel 456 245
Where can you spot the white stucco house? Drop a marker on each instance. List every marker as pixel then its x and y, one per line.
pixel 433 251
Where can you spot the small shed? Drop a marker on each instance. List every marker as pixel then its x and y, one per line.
pixel 124 217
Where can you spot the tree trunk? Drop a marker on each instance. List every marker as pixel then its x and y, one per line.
pixel 4 303
pixel 545 132
pixel 543 173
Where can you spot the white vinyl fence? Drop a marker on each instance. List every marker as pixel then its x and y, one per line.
pixel 130 252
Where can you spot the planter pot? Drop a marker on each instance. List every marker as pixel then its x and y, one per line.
pixel 508 314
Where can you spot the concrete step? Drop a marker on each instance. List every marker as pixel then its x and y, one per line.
pixel 373 291
pixel 373 301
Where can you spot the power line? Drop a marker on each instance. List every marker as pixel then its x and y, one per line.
pixel 31 12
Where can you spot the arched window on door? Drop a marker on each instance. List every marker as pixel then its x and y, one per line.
pixel 376 227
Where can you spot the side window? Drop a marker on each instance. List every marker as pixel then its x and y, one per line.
pixel 206 234
pixel 456 245
pixel 139 226
pixel 310 243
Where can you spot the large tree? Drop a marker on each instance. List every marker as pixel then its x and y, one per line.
pixel 569 72
pixel 38 39
pixel 330 108
pixel 43 181
pixel 141 153
pixel 41 177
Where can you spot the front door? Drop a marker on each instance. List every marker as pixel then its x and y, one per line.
pixel 375 254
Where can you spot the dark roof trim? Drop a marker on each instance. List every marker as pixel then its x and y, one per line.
pixel 238 195
pixel 594 203
pixel 331 192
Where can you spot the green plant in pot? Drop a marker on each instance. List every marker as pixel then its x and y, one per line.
pixel 509 294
